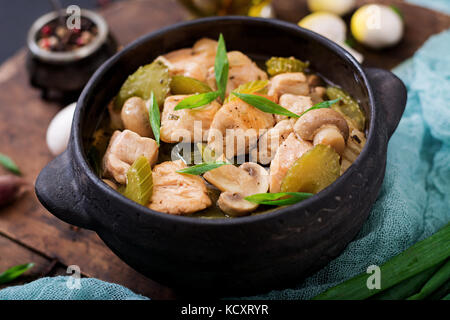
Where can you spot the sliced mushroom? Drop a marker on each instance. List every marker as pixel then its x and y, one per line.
pixel 135 117
pixel 323 126
pixel 236 184
pixel 234 204
pixel 355 144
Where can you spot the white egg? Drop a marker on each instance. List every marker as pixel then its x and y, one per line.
pixel 339 7
pixel 58 131
pixel 377 26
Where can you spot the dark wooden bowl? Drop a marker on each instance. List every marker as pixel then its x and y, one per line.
pixel 228 256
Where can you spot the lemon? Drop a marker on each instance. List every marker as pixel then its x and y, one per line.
pixel 261 9
pixel 377 26
pixel 339 7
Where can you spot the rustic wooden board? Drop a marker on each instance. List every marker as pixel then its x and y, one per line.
pixel 28 232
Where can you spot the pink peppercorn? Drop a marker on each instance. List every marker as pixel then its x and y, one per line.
pixel 46 30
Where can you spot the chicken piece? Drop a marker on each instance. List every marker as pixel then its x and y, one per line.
pixel 293 83
pixel 318 94
pixel 178 125
pixel 236 128
pixel 123 149
pixel 192 62
pixel 270 141
pixel 289 151
pixel 314 80
pixel 176 193
pixel 205 50
pixel 294 103
pixel 241 70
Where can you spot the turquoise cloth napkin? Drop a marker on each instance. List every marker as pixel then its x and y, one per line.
pixel 414 201
pixel 58 288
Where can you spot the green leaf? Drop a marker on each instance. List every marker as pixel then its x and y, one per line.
pixel 155 120
pixel 9 164
pixel 279 199
pixel 197 100
pixel 202 168
pixel 265 104
pixel 397 11
pixel 221 67
pixel 249 87
pixel 187 85
pixel 416 259
pixel 14 272
pixel 321 105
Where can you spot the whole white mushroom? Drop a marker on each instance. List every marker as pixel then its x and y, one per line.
pixel 58 131
pixel 339 7
pixel 377 26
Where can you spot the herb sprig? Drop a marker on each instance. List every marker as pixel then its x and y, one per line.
pixel 278 199
pixel 269 106
pixel 14 272
pixel 154 117
pixel 221 68
pixel 197 100
pixel 9 164
pixel 321 105
pixel 201 168
pixel 265 104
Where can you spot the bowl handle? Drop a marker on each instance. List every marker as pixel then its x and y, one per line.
pixel 56 188
pixel 390 96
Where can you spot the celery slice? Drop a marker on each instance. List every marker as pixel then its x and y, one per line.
pixel 139 181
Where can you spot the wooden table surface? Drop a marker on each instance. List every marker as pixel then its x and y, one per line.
pixel 28 233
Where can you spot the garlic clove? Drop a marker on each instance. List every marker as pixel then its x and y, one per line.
pixel 58 131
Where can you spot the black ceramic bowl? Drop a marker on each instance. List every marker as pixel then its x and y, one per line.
pixel 228 256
